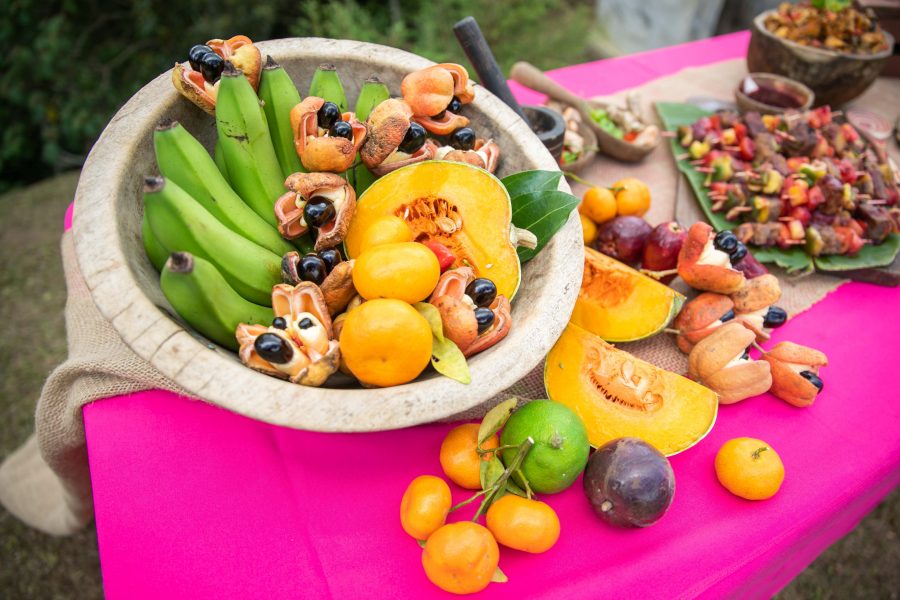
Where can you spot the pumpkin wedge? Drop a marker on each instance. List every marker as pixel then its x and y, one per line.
pixel 463 207
pixel 620 304
pixel 618 395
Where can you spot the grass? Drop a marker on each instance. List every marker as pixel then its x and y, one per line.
pixel 32 297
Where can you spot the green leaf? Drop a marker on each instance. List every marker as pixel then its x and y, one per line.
pixel 490 472
pixel 531 181
pixel 542 213
pixel 448 360
pixel 499 576
pixel 421 543
pixel 869 256
pixel 513 488
pixel 433 316
pixel 795 259
pixel 495 419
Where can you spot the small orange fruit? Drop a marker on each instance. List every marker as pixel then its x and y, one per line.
pixel 405 270
pixel 389 229
pixel 588 229
pixel 424 507
pixel 632 196
pixel 461 557
pixel 749 468
pixel 598 204
pixel 385 342
pixel 523 524
pixel 459 460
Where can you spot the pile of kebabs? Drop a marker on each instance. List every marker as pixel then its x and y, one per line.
pixel 801 178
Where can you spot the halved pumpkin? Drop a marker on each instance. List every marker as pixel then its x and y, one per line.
pixel 618 395
pixel 463 207
pixel 618 303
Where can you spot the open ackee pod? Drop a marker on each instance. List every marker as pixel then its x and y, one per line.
pixel 319 151
pixel 239 50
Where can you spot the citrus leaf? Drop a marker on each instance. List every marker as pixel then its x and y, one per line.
pixel 513 488
pixel 495 419
pixel 542 213
pixel 448 360
pixel 499 576
pixel 433 316
pixel 490 471
pixel 421 543
pixel 531 181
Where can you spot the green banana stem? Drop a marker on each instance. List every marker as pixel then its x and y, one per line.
pixel 246 144
pixel 184 161
pixel 279 96
pixel 181 224
pixel 372 93
pixel 326 84
pixel 201 296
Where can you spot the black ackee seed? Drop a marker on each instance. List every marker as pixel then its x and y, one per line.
pixel 318 211
pixel 196 53
pixel 727 316
pixel 485 318
pixel 273 348
pixel 413 140
pixel 454 105
pixel 482 291
pixel 341 129
pixel 279 323
pixel 463 138
pixel 312 268
pixel 211 66
pixel 739 253
pixel 331 257
pixel 305 323
pixel 327 115
pixel 746 354
pixel 725 241
pixel 775 317
pixel 813 379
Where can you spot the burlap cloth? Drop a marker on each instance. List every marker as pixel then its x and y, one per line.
pixel 46 482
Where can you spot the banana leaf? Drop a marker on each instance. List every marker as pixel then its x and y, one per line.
pixel 674 115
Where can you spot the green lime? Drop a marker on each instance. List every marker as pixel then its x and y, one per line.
pixel 560 449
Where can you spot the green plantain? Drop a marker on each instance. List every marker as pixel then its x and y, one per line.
pixel 279 96
pixel 181 224
pixel 326 84
pixel 372 93
pixel 247 149
pixel 202 297
pixel 155 251
pixel 220 161
pixel 185 162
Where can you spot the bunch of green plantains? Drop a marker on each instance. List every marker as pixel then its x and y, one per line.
pixel 316 239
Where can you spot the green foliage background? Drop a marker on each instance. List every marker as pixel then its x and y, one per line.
pixel 68 65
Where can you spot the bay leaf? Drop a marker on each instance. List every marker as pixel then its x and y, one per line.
pixel 531 181
pixel 448 360
pixel 496 418
pixel 433 316
pixel 542 213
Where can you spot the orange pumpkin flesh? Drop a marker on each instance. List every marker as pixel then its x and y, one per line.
pixel 618 395
pixel 464 208
pixel 619 304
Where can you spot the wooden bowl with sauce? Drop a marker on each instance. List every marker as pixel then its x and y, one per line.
pixel 770 94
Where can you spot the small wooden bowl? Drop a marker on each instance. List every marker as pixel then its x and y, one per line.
pixel 835 77
pixel 782 84
pixel 588 156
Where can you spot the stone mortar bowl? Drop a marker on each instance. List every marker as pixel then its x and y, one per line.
pixel 125 287
pixel 835 77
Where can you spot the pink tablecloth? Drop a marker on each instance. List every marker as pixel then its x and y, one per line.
pixel 195 502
